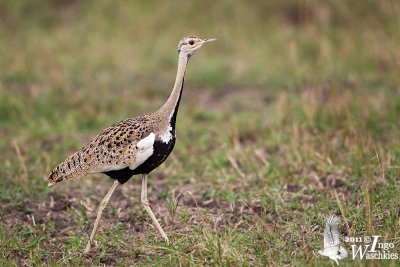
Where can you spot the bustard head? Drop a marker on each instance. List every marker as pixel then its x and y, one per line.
pixel 189 45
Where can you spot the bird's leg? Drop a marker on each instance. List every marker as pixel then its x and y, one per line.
pixel 146 205
pixel 102 205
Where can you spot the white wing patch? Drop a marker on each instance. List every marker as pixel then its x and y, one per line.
pixel 166 136
pixel 110 168
pixel 145 150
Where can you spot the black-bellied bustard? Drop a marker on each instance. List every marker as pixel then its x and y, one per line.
pixel 133 146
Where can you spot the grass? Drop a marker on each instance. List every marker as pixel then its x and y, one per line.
pixel 291 116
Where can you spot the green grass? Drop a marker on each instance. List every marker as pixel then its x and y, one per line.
pixel 291 116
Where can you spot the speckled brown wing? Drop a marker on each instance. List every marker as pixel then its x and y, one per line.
pixel 114 148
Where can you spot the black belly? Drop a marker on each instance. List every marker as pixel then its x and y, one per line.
pixel 160 154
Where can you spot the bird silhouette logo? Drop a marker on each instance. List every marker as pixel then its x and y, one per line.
pixel 332 247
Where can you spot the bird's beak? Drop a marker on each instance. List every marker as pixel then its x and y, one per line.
pixel 209 40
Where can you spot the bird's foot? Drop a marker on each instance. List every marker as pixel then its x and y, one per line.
pixel 87 249
pixel 166 239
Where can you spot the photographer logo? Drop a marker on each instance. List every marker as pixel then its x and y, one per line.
pixel 371 248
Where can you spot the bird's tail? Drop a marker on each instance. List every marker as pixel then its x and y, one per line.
pixel 54 177
pixel 71 168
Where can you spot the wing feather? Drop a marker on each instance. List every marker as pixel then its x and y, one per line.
pixel 331 232
pixel 124 144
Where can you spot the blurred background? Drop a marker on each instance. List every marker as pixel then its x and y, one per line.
pixel 295 96
pixel 279 44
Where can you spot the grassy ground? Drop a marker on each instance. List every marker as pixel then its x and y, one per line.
pixel 291 116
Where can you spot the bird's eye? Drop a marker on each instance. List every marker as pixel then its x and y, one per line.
pixel 191 42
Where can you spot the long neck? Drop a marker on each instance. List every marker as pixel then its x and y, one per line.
pixel 170 108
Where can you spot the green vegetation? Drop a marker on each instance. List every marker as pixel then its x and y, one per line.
pixel 291 116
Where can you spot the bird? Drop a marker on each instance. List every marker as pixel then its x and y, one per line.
pixel 135 146
pixel 332 248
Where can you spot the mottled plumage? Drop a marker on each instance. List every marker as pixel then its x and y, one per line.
pixel 113 149
pixel 133 146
